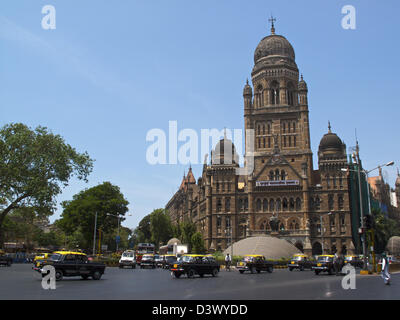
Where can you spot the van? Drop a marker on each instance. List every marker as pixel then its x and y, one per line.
pixel 128 259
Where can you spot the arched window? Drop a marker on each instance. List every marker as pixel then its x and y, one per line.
pixel 246 204
pixel 263 142
pixel 269 142
pixel 291 204
pixel 278 205
pixel 328 181
pixel 271 175
pixel 271 205
pixel 263 129
pixel 290 94
pixel 277 175
pixel 275 93
pixel 284 127
pixel 283 175
pixel 284 204
pixel 265 205
pixel 330 202
pixel 228 204
pixel 258 129
pixel 298 204
pixel 258 205
pixel 340 202
pixel 317 203
pixel 269 128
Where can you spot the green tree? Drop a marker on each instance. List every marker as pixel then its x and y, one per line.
pixel 105 199
pixel 143 230
pixel 188 229
pixel 384 228
pixel 197 243
pixel 160 227
pixel 34 166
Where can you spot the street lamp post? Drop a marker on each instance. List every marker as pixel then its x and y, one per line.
pixel 119 218
pixel 94 236
pixel 322 230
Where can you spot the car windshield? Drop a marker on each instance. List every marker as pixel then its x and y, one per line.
pixel 146 257
pixel 185 258
pixel 128 254
pixel 349 258
pixel 170 258
pixel 324 259
pixel 55 257
pixel 248 259
pixel 297 258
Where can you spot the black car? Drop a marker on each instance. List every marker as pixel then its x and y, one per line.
pixel 324 263
pixel 355 261
pixel 148 261
pixel 254 263
pixel 5 260
pixel 301 262
pixel 192 265
pixel 70 264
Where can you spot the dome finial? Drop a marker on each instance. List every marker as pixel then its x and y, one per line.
pixel 272 20
pixel 329 127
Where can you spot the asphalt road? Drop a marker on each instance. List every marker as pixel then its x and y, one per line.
pixel 20 282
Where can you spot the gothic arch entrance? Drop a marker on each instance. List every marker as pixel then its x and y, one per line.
pixel 316 248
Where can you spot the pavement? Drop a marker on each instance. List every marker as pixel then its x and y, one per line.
pixel 20 282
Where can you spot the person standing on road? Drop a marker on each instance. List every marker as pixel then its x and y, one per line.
pixel 228 260
pixel 385 269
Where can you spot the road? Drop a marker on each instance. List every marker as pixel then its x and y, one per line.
pixel 20 282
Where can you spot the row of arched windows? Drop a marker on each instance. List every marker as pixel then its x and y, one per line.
pixel 333 181
pixel 277 175
pixel 291 224
pixel 277 205
pixel 263 129
pixel 315 203
pixel 273 97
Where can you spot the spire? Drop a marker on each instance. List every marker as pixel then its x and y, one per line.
pixel 272 20
pixel 329 127
pixel 247 81
pixel 301 77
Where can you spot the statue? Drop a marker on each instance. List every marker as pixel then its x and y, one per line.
pixel 274 223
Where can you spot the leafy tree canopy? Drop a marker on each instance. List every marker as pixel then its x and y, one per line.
pixel 34 166
pixel 105 199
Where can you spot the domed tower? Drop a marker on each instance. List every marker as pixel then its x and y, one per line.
pixel 224 153
pixel 277 107
pixel 331 159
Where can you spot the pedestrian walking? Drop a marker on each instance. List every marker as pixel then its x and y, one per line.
pixel 385 269
pixel 228 260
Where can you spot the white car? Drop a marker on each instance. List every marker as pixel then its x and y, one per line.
pixel 128 259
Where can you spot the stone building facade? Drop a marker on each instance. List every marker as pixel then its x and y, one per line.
pixel 284 196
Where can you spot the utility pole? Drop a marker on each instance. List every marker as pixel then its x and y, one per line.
pixel 94 236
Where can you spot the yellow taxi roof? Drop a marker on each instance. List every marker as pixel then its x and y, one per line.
pixel 254 255
pixel 69 252
pixel 299 255
pixel 194 255
pixel 326 255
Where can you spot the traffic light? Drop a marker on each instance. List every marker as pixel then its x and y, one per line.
pixel 368 221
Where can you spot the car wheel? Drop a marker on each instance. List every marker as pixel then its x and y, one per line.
pixel 241 271
pixel 120 266
pixel 191 273
pixel 177 275
pixel 330 272
pixel 84 277
pixel 270 269
pixel 258 270
pixel 316 272
pixel 201 275
pixel 290 269
pixel 215 272
pixel 96 275
pixel 59 275
pixel 253 270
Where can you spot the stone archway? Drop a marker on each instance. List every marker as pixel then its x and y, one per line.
pixel 316 248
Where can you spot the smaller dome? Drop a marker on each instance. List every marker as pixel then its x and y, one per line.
pixel 218 154
pixel 173 241
pixel 331 142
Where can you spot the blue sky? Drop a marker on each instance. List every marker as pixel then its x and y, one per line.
pixel 113 70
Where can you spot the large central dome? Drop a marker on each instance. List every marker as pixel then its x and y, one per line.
pixel 274 46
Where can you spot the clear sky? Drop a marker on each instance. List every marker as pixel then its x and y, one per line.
pixel 113 70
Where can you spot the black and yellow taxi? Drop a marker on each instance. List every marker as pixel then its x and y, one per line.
pixel 195 264
pixel 324 263
pixel 41 256
pixel 355 261
pixel 254 263
pixel 300 261
pixel 70 264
